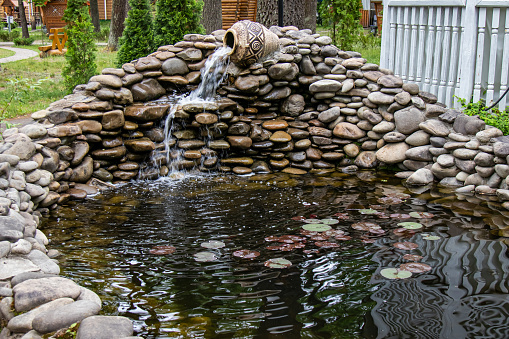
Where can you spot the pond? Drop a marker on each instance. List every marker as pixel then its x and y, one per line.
pixel 336 286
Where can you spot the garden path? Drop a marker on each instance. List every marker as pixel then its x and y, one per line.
pixel 21 54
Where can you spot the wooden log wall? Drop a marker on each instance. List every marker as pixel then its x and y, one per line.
pixel 236 10
pixel 104 9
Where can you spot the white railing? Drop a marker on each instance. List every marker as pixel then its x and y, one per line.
pixel 449 47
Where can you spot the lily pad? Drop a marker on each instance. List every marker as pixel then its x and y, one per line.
pixel 316 227
pixel 311 221
pixel 204 256
pixel 342 216
pixel 286 247
pixel 406 245
pixel 419 215
pixel 368 211
pixel 403 232
pixel 343 237
pixel 162 250
pixel 400 216
pixel 409 225
pixel 329 221
pixel 432 237
pixel 246 254
pixel 398 195
pixel 412 257
pixel 394 273
pixel 365 226
pixel 213 244
pixel 299 218
pixel 327 244
pixel 415 267
pixel 390 201
pixel 278 263
pixel 289 239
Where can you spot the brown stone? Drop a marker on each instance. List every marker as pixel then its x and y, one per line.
pixel 295 171
pixel 113 120
pixel 279 164
pixel 333 156
pixel 174 79
pixel 90 126
pixel 128 166
pixel 140 145
pixel 206 118
pixel 313 154
pixel 84 171
pixel 64 131
pixel 239 141
pixel 347 130
pixel 77 194
pixel 191 144
pixel 110 153
pixel 125 175
pixel 303 144
pixel 242 161
pixel 280 136
pixel 192 154
pixel 148 64
pixel 80 150
pixel 274 125
pixel 241 170
pixel 80 107
pixel 146 113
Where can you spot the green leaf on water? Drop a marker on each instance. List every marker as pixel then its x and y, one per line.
pixel 419 215
pixel 213 244
pixel 394 273
pixel 278 263
pixel 329 221
pixel 316 227
pixel 311 221
pixel 368 211
pixel 409 225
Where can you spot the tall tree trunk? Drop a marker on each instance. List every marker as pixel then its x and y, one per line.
pixel 212 18
pixel 118 15
pixel 23 18
pixel 267 12
pixel 94 14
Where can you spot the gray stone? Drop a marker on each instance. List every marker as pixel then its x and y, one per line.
pixel 450 182
pixel 366 159
pixel 420 153
pixel 465 154
pixel 446 160
pixel 485 189
pixel 21 247
pixel 294 105
pixel 27 166
pixel 283 71
pixel 465 189
pixel 418 138
pixel 347 130
pixel 34 131
pixel 467 166
pixel 35 292
pixel 5 248
pixel 420 177
pixel 87 294
pixel 390 81
pixel 467 125
pixel 329 115
pixel 384 127
pixel 435 127
pixel 278 93
pixel 191 54
pixel 443 172
pixel 484 159
pixel 379 98
pixel 503 194
pixel 105 327
pixel 148 89
pixel 43 262
pixel 414 165
pixel 407 120
pixel 484 172
pixel 174 66
pixel 11 229
pixel 392 153
pixel 64 316
pixel 403 98
pixel 489 133
pixel 459 137
pixel 107 80
pixel 325 86
pixel 24 148
pixel 34 190
pixel 394 137
pixel 10 267
pixel 502 170
pixel 475 179
pixel 23 322
pixel 348 84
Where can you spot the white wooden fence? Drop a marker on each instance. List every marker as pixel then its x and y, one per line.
pixel 449 47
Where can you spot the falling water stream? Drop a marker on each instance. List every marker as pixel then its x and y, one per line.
pixel 336 284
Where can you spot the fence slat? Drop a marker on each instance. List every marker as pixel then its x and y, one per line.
pixel 444 65
pixel 480 55
pixel 422 40
pixel 431 45
pixel 453 66
pixel 399 40
pixel 413 45
pixel 504 76
pixel 437 51
pixel 493 63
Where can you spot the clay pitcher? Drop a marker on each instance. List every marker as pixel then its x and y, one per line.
pixel 249 41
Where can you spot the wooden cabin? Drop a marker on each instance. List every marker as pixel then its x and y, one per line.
pixel 237 10
pixel 370 9
pixel 104 9
pixel 52 14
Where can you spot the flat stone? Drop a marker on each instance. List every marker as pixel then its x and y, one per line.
pixel 280 137
pixel 148 89
pixel 392 153
pixel 407 120
pixel 274 125
pixel 84 171
pixel 105 327
pixel 467 125
pixel 146 112
pixel 10 267
pixel 23 322
pixel 23 147
pixel 140 145
pixel 420 177
pixel 384 127
pixel 283 71
pixel 435 127
pixel 35 292
pixel 446 160
pixel 43 262
pixel 113 120
pixel 390 81
pixel 366 159
pixel 420 153
pixel 107 80
pixel 64 316
pixel 489 133
pixel 148 63
pixel 465 154
pixel 379 98
pixel 325 86
pixel 418 138
pixel 34 131
pixel 443 172
pixel 348 131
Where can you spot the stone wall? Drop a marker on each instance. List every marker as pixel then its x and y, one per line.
pixel 308 108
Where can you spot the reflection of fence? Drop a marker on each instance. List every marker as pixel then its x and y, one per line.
pixel 449 47
pixel 468 281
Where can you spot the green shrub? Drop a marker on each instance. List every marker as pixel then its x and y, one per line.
pixel 176 18
pixel 343 16
pixel 138 38
pixel 103 34
pixel 80 56
pixel 14 25
pixel 23 41
pixel 6 36
pixel 493 117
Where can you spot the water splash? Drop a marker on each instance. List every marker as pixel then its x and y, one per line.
pixel 212 75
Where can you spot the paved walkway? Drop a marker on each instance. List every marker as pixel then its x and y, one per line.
pixel 21 54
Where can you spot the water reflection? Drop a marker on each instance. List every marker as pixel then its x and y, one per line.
pixel 335 293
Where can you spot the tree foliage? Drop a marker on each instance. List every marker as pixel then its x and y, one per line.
pixel 138 37
pixel 80 56
pixel 343 16
pixel 175 18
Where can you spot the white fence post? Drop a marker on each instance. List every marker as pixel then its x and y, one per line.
pixel 449 47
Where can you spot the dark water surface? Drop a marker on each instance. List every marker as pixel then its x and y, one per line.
pixel 327 292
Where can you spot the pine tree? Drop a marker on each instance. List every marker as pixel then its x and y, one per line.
pixel 138 38
pixel 80 56
pixel 175 18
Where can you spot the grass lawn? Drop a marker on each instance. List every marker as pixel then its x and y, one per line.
pixel 5 53
pixel 18 78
